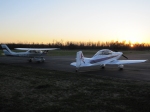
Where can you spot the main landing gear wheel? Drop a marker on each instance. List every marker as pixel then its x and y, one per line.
pixel 121 67
pixel 103 66
pixel 30 60
pixel 76 70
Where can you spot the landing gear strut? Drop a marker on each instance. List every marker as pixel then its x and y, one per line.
pixel 37 59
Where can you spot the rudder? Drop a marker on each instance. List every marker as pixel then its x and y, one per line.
pixel 79 59
pixel 6 50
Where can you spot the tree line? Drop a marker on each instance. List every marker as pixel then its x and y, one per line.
pixel 70 45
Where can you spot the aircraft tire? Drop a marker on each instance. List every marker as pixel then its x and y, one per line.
pixel 30 60
pixel 102 67
pixel 120 69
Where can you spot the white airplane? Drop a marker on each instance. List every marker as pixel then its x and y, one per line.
pixel 102 57
pixel 34 54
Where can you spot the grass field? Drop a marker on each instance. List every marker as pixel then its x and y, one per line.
pixel 25 89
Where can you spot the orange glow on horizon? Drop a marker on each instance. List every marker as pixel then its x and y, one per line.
pixel 45 39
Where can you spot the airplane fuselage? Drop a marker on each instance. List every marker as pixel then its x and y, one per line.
pixel 101 59
pixel 34 54
pixel 26 54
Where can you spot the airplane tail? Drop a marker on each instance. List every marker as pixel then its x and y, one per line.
pixel 6 50
pixel 79 59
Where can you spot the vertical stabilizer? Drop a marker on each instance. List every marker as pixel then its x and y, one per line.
pixel 6 50
pixel 79 59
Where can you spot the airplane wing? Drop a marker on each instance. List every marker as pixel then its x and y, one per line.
pixel 37 49
pixel 118 62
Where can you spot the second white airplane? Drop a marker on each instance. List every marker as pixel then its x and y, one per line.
pixel 102 57
pixel 34 54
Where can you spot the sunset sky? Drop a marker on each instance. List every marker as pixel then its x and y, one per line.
pixel 74 20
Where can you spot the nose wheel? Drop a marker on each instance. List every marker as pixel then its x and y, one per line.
pixel 42 59
pixel 121 67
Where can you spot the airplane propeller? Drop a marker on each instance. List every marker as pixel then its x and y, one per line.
pixel 122 54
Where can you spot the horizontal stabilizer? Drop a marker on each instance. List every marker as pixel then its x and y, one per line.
pixel 73 64
pixel 82 64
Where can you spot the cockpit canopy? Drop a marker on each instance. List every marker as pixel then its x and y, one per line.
pixel 104 52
